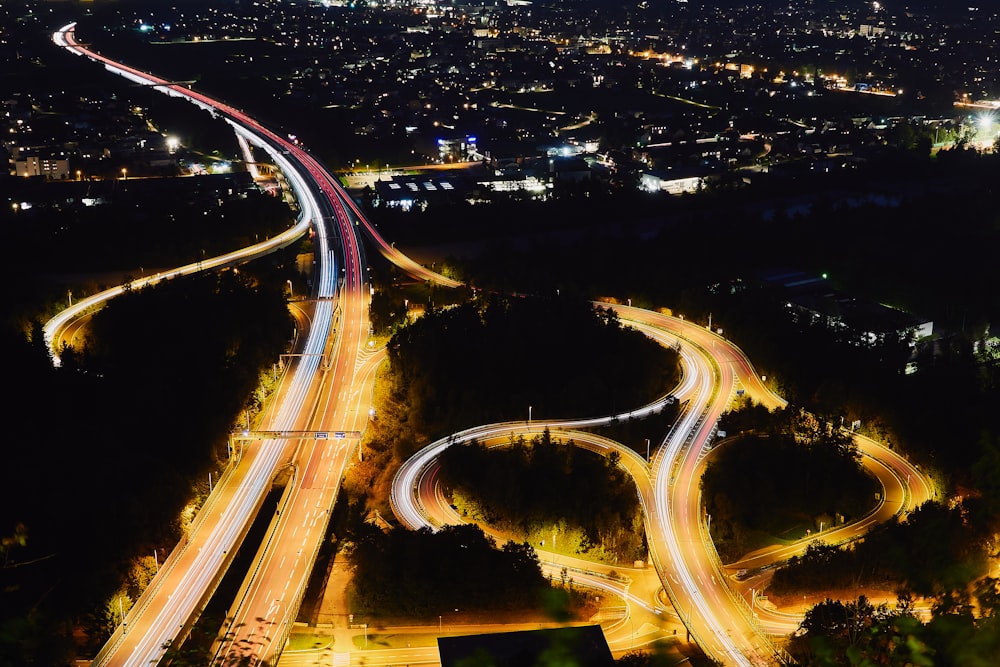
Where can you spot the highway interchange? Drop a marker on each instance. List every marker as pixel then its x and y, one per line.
pixel 325 398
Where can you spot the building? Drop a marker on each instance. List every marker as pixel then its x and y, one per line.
pixel 813 301
pixel 569 169
pixel 458 149
pixel 409 190
pixel 582 646
pixel 673 181
pixel 54 166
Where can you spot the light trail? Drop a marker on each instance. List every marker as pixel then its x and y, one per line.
pixel 708 381
pixel 170 602
pixel 718 619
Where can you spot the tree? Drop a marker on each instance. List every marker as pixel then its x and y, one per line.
pixel 9 545
pixel 548 490
pixel 860 633
pixel 386 312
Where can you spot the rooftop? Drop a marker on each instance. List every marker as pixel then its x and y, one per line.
pixel 583 646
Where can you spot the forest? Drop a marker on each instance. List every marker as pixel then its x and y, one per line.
pixel 496 359
pixel 151 223
pixel 779 483
pixel 114 445
pixel 542 487
pixel 421 573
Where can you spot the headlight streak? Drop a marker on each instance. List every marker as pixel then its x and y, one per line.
pixel 697 384
pixel 701 372
pixel 200 576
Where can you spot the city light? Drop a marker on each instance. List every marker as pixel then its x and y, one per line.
pixel 503 106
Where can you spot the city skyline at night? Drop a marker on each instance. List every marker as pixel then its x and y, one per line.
pixel 349 326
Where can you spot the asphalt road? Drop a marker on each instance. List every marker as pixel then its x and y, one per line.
pixel 333 398
pixel 165 611
pixel 705 595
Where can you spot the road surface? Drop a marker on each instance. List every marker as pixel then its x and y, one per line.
pixel 332 398
pixel 704 594
pixel 313 398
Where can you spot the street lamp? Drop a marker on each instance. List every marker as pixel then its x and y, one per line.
pixel 647 449
pixel 124 174
pixel 121 613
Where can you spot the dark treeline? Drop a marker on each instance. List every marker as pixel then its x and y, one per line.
pixel 421 573
pixel 538 486
pixel 858 632
pixel 933 553
pixel 937 551
pixel 145 223
pixel 787 475
pixel 962 631
pixel 495 361
pixel 109 448
pixel 613 241
pixel 898 254
pixel 169 330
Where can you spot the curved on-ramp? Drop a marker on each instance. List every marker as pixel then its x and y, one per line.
pixel 164 611
pixel 714 368
pixel 726 627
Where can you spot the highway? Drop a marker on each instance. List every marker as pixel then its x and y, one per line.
pixel 704 594
pixel 334 396
pixel 327 392
pixel 315 398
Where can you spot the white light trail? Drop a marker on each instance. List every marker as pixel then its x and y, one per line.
pixel 197 579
